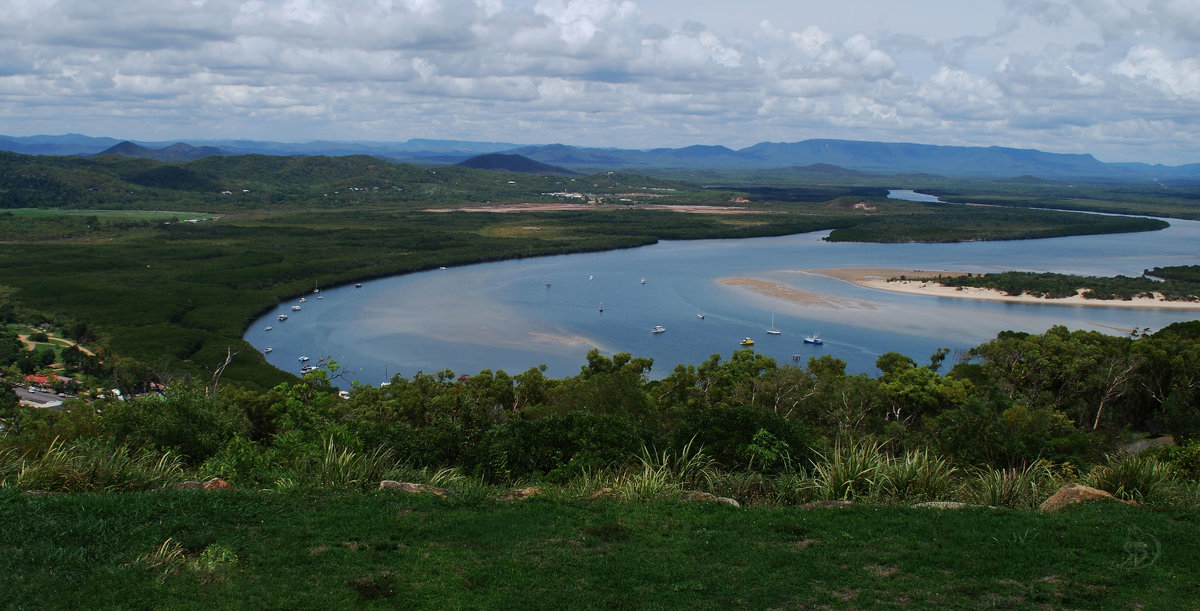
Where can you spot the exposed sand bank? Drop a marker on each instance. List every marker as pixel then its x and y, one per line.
pixel 923 282
pixel 796 296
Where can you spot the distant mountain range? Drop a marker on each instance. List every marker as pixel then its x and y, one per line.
pixel 859 156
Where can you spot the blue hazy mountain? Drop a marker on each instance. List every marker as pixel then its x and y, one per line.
pixel 858 156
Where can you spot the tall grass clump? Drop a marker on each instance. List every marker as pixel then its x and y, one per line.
pixel 1018 487
pixel 1137 478
pixel 346 469
pixel 917 476
pixel 666 473
pixel 90 465
pixel 851 471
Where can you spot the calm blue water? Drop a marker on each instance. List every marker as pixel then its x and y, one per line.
pixel 503 316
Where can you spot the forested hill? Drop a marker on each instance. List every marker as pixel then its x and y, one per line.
pixel 221 182
pixel 512 163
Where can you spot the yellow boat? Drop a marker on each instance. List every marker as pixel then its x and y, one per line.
pixel 747 342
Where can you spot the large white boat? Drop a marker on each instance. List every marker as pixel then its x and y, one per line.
pixel 282 317
pixel 658 329
pixel 295 308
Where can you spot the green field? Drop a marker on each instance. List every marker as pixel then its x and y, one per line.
pixel 110 215
pixel 248 549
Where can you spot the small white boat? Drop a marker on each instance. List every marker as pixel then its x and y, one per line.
pixel 590 276
pixel 358 285
pixel 658 329
pixel 643 281
pixel 282 317
pixel 307 369
pixel 295 308
pixel 303 359
pixel 700 315
pixel 267 328
pixel 547 282
pixel 320 296
pixel 602 307
pixel 267 349
pixel 814 339
pixel 302 300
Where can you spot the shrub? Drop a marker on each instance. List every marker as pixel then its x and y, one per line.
pixel 851 471
pixel 91 466
pixel 1017 487
pixel 917 476
pixel 741 437
pixel 1136 477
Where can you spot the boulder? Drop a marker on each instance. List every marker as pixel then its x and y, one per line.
pixel 411 488
pixel 215 483
pixel 944 505
pixel 825 504
pixel 521 494
pixel 1076 493
pixel 705 496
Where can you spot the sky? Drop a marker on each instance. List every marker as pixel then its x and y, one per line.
pixel 1119 79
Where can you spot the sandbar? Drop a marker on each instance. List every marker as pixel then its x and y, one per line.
pixel 924 282
pixel 796 296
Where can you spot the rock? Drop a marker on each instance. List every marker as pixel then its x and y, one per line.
pixel 1076 493
pixel 411 488
pixel 825 504
pixel 215 483
pixel 944 505
pixel 521 494
pixel 704 496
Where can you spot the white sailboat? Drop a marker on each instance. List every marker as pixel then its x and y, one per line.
pixel 814 339
pixel 773 330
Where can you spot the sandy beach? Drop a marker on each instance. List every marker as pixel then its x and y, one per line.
pixel 923 282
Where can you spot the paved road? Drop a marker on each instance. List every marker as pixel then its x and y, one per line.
pixel 41 398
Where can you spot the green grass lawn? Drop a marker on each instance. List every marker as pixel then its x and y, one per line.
pixel 255 549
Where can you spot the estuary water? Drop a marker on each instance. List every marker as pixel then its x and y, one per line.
pixel 513 315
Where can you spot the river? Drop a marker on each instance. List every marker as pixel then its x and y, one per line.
pixel 513 315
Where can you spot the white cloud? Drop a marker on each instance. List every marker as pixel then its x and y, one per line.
pixel 1059 74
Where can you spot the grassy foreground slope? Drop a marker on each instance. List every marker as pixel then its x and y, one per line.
pixel 246 549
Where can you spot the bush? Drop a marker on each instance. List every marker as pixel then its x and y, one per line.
pixel 1139 478
pixel 743 437
pixel 557 446
pixel 187 421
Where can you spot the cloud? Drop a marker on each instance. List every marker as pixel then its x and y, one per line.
pixel 1050 72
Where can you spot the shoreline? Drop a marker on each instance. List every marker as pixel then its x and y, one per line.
pixel 923 282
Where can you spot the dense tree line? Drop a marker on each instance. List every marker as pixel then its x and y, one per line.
pixel 1180 283
pixel 1064 396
